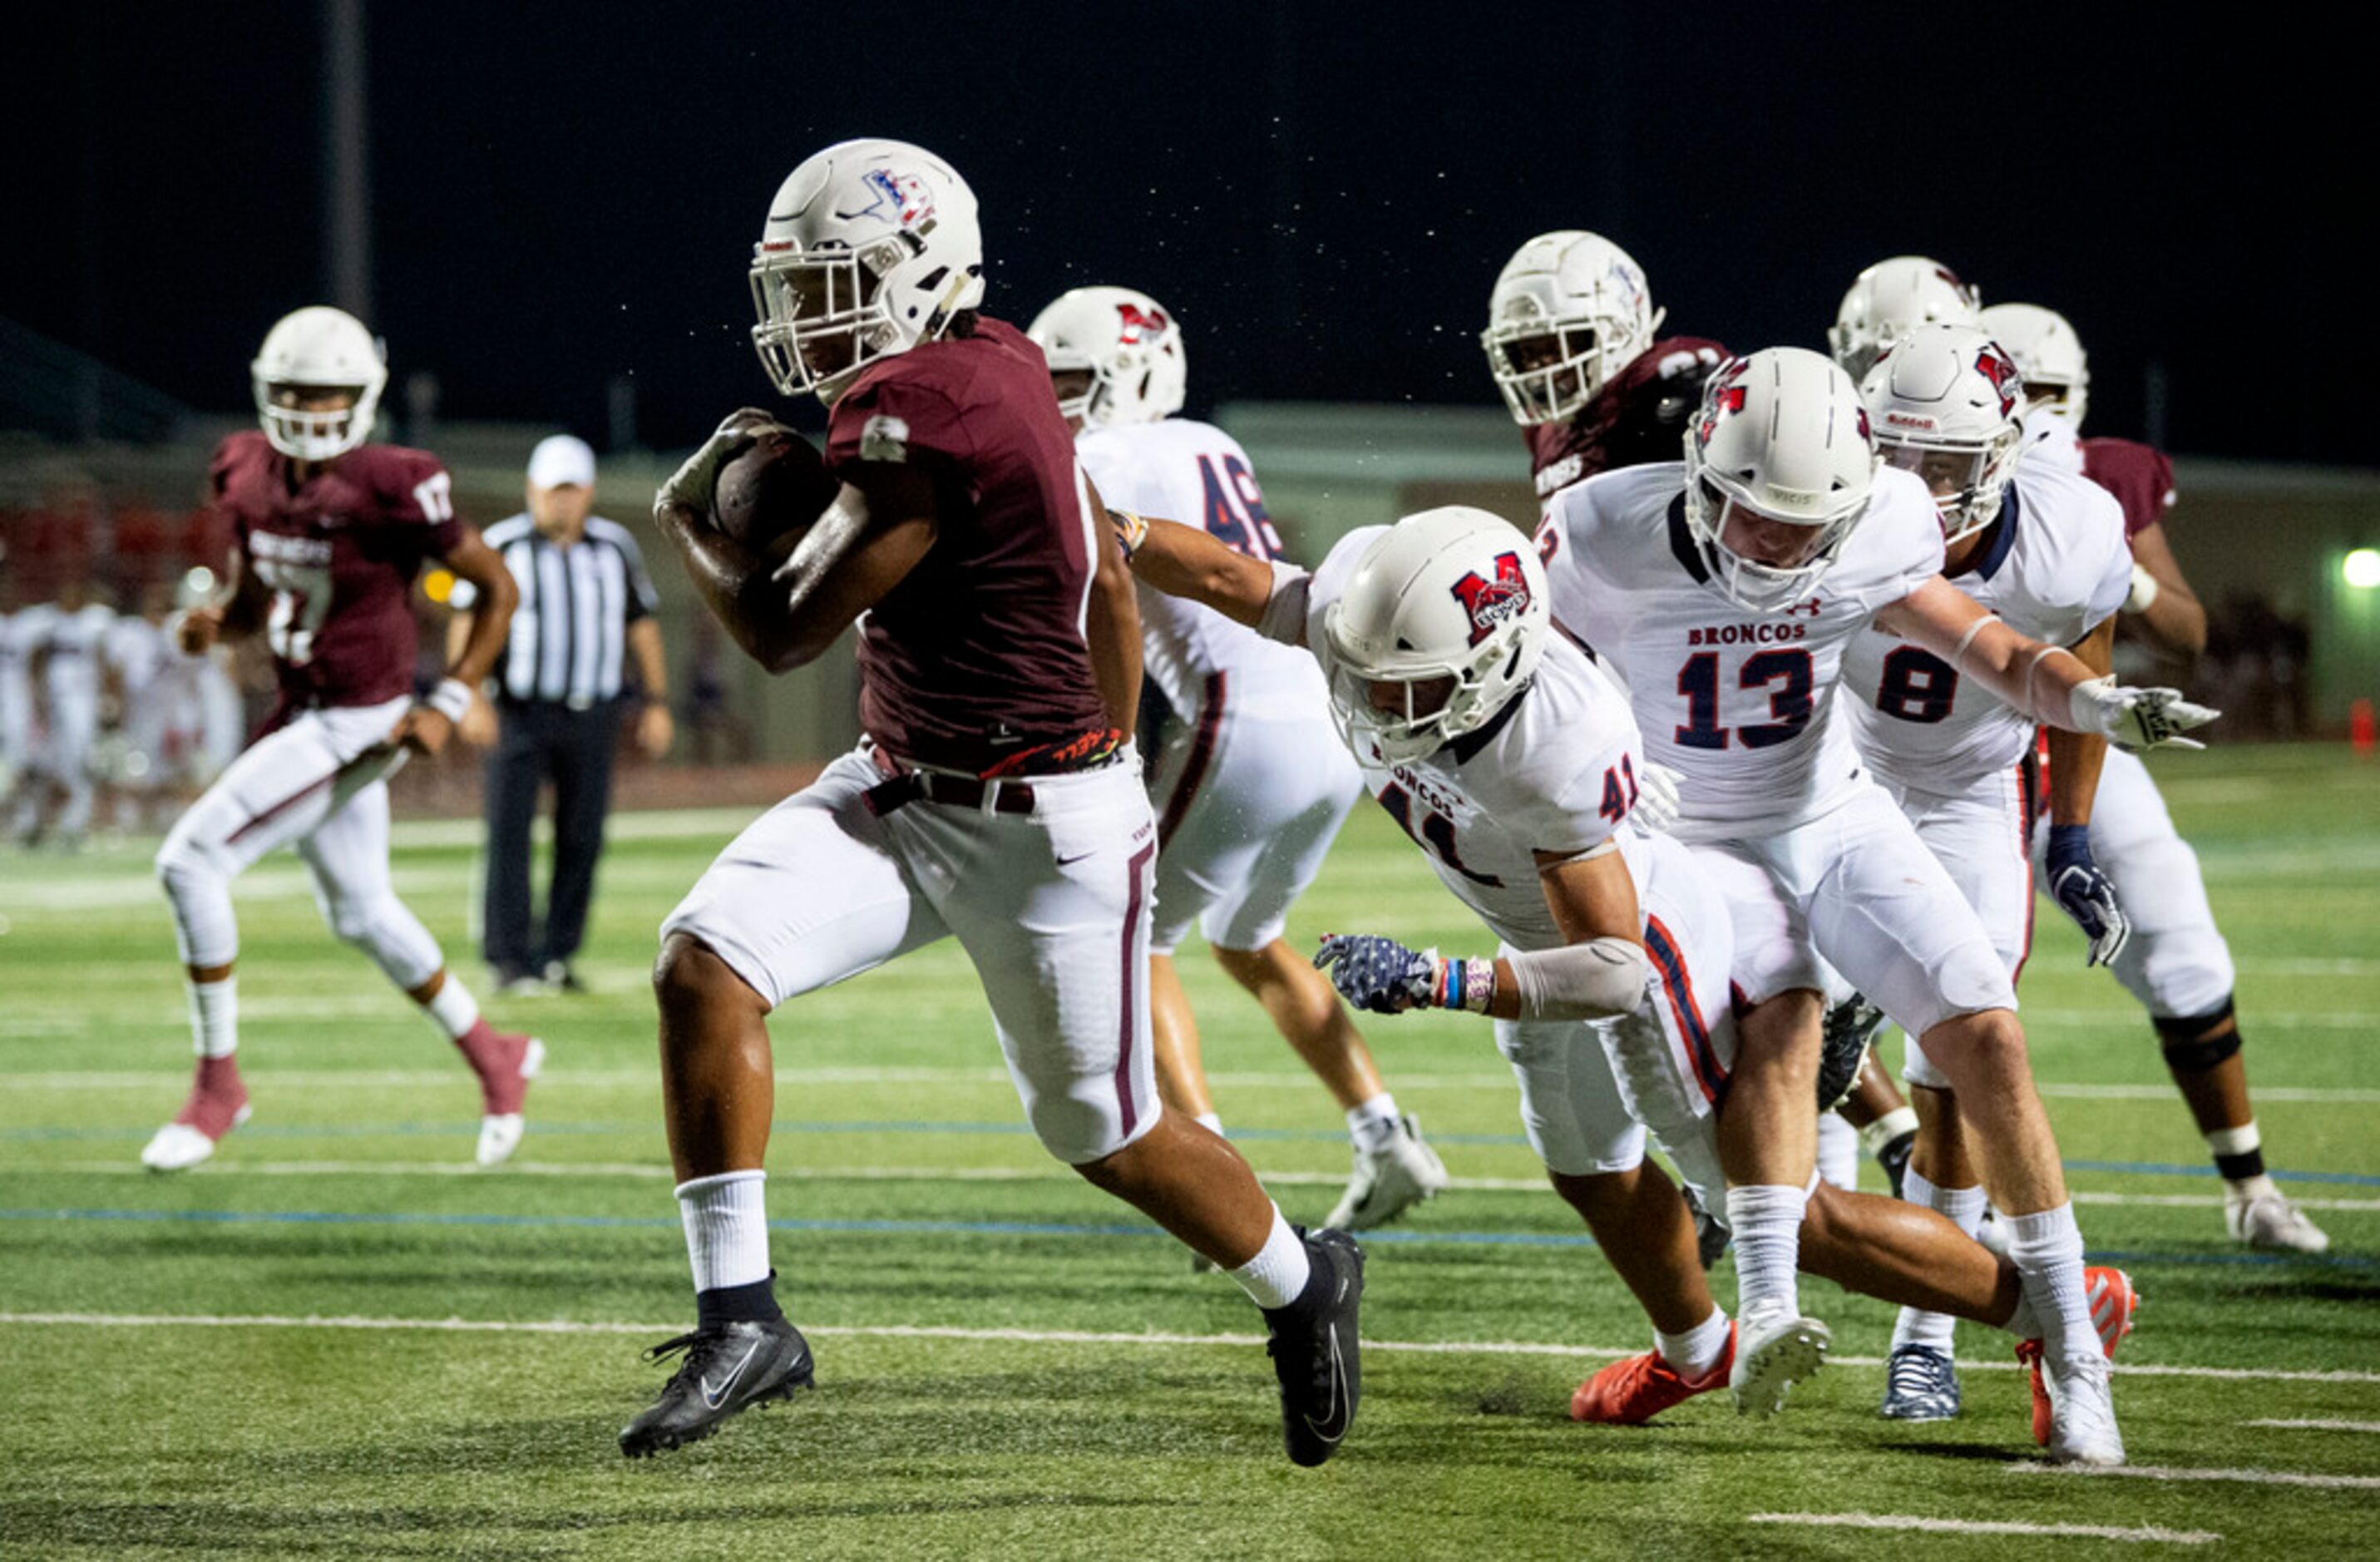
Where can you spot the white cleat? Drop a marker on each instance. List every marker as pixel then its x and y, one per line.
pixel 1390 1181
pixel 178 1146
pixel 2081 1414
pixel 2272 1224
pixel 1774 1351
pixel 500 1135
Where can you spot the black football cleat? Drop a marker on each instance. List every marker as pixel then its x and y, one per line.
pixel 1316 1352
pixel 1852 1028
pixel 726 1369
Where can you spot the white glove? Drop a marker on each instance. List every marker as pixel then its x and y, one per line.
pixel 2134 719
pixel 2144 589
pixel 1656 798
pixel 690 487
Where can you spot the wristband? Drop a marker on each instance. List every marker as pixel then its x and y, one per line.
pixel 1131 530
pixel 451 699
pixel 1465 984
pixel 2144 591
pixel 2068 845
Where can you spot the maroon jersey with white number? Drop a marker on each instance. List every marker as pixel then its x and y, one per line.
pixel 980 659
pixel 338 554
pixel 1638 415
pixel 2140 476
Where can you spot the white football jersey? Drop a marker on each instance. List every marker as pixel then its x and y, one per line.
pixel 1738 703
pixel 18 631
pixel 1197 474
pixel 1554 771
pixel 76 642
pixel 2056 566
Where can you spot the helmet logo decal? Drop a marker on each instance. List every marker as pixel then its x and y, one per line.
pixel 1725 394
pixel 2001 369
pixel 1491 602
pixel 902 199
pixel 1140 326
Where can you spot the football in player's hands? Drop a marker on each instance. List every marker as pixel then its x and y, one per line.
pixel 776 484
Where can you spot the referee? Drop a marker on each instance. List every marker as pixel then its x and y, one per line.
pixel 586 607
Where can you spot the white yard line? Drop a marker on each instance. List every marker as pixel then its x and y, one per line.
pixel 1028 1337
pixel 2241 1476
pixel 1912 1523
pixel 2320 1425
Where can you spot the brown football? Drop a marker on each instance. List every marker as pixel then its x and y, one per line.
pixel 775 485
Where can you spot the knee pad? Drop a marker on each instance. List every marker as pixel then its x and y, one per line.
pixel 2188 1048
pixel 392 936
pixel 198 888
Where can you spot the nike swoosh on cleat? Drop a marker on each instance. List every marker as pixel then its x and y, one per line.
pixel 714 1398
pixel 1338 1418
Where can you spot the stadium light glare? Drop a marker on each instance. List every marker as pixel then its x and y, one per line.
pixel 2360 569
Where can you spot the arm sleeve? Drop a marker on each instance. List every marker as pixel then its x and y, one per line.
pixel 1597 979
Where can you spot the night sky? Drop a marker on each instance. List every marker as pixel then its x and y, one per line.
pixel 1322 196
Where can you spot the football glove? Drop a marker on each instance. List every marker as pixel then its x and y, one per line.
pixel 2085 893
pixel 1656 796
pixel 2134 719
pixel 1379 975
pixel 690 487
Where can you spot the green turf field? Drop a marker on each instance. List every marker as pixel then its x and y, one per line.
pixel 340 1339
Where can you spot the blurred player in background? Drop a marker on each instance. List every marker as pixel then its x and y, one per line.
pixel 1248 802
pixel 331 534
pixel 2176 963
pixel 2043 549
pixel 18 628
pixel 995 798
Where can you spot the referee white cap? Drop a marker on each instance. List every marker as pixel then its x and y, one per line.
pixel 560 460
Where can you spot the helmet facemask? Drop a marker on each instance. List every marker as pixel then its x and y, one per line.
pixel 1545 371
pixel 1407 707
pixel 1749 582
pixel 319 435
pixel 824 315
pixel 1966 479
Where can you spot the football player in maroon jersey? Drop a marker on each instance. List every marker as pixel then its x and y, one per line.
pixel 331 533
pixel 993 798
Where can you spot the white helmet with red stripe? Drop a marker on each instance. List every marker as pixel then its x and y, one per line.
pixel 1441 625
pixel 870 247
pixel 1945 402
pixel 1890 299
pixel 1128 344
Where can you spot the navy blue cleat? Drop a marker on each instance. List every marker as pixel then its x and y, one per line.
pixel 1919 1384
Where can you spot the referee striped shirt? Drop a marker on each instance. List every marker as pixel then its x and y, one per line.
pixel 570 632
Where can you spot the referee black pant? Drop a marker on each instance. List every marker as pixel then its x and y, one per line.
pixel 542 740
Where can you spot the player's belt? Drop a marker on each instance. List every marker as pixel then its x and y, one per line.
pixel 902 788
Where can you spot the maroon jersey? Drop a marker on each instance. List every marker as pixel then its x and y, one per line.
pixel 1638 415
pixel 338 554
pixel 978 659
pixel 2140 476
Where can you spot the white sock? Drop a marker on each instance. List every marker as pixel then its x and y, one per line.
pixel 726 1228
pixel 1885 1130
pixel 1963 1207
pixel 1838 1152
pixel 1277 1275
pixel 1693 1354
pixel 1767 1221
pixel 1212 1122
pixel 2046 1249
pixel 1374 1123
pixel 215 1017
pixel 456 1011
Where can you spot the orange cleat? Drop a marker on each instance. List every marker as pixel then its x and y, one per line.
pixel 1633 1392
pixel 2113 1303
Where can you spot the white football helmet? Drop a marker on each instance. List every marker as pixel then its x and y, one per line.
pixel 318 348
pixel 1569 311
pixel 1442 624
pixel 1781 437
pixel 2056 370
pixel 1130 345
pixel 870 247
pixel 1943 401
pixel 1890 298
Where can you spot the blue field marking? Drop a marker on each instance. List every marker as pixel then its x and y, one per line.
pixel 1398 1238
pixel 896 1126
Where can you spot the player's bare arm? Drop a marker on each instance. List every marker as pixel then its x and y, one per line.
pixel 1112 623
pixel 427 727
pixel 734 580
pixel 2162 602
pixel 1597 974
pixel 2048 683
pixel 868 539
pixel 1186 561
